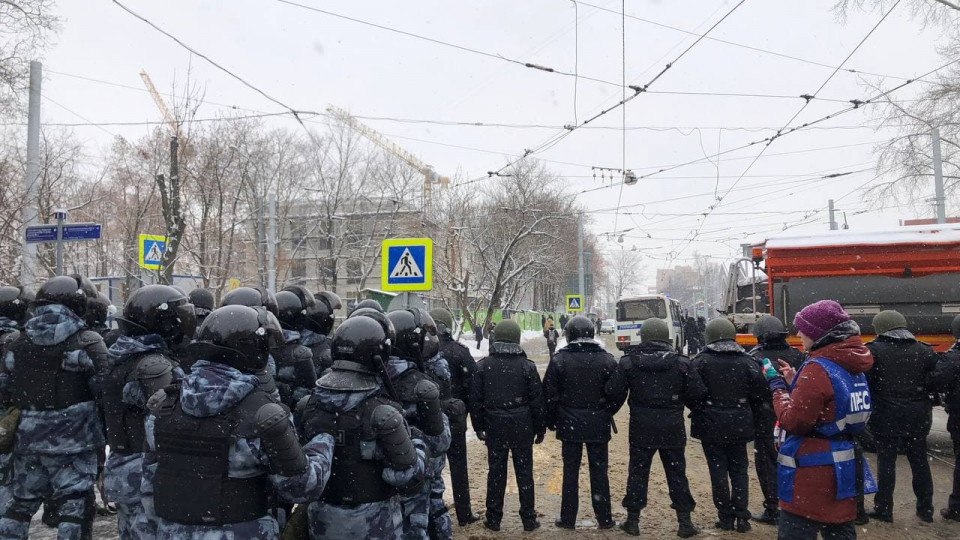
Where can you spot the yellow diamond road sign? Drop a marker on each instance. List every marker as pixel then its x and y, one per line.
pixel 574 302
pixel 407 264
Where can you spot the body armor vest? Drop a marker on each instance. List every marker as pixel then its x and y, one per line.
pixel 656 389
pixel 583 381
pixel 192 485
pixel 125 430
pixel 356 476
pixel 39 383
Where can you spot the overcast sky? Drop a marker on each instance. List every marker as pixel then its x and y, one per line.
pixel 309 60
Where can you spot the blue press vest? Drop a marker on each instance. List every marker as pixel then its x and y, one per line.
pixel 851 398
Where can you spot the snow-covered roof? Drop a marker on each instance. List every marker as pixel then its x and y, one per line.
pixel 919 234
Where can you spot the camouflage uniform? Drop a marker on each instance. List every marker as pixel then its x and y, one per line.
pixel 121 480
pixel 441 527
pixel 9 331
pixel 377 520
pixel 212 389
pixel 56 450
pixel 417 507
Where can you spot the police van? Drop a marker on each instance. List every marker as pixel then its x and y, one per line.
pixel 632 311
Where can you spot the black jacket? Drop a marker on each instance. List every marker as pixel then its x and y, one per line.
pixel 946 380
pixel 461 364
pixel 732 389
pixel 579 394
pixel 764 417
pixel 900 385
pixel 659 383
pixel 506 398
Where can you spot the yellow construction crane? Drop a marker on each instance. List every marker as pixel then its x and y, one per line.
pixel 174 127
pixel 430 176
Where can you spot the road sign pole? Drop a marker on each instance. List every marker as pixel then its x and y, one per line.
pixel 32 179
pixel 580 276
pixel 61 217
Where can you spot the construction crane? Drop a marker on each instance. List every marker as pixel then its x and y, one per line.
pixel 168 118
pixel 430 176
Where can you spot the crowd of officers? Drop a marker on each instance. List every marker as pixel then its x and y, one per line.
pixel 255 420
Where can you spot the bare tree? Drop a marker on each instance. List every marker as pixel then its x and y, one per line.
pixel 624 269
pixel 928 11
pixel 26 27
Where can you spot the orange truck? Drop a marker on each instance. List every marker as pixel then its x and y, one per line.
pixel 914 270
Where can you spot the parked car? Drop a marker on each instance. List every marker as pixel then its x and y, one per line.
pixel 608 326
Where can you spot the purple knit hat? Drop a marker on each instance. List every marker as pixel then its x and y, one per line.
pixel 815 320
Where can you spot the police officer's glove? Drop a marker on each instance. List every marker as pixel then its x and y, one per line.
pixel 774 379
pixel 540 437
pixel 320 421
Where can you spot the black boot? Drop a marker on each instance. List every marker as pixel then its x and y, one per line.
pixel 743 525
pixel 768 517
pixel 632 525
pixel 724 523
pixel 686 528
pixel 467 519
pixel 950 514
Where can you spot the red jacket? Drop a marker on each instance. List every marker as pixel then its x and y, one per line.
pixel 810 403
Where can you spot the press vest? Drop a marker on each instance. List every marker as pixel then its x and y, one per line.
pixel 356 475
pixel 39 383
pixel 192 486
pixel 851 398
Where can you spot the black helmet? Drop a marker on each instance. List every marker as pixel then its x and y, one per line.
pixel 252 297
pixel 202 300
pixel 368 303
pixel 16 304
pixel 317 314
pixel 769 328
pixel 361 340
pixel 416 333
pixel 579 328
pixel 292 314
pixel 381 318
pixel 444 320
pixel 71 292
pixel 97 310
pixel 238 336
pixel 331 298
pixel 158 309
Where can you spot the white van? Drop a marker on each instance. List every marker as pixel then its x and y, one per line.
pixel 632 311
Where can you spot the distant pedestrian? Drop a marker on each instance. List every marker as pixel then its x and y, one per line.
pixel 563 321
pixel 552 336
pixel 478 332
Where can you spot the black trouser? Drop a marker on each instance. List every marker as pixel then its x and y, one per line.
pixel 794 527
pixel 572 453
pixel 457 457
pixel 916 450
pixel 954 502
pixel 728 475
pixel 638 477
pixel 497 481
pixel 765 460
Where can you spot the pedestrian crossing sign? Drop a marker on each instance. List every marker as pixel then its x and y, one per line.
pixel 151 248
pixel 574 303
pixel 407 264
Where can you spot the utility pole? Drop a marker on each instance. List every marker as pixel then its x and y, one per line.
pixel 581 290
pixel 833 217
pixel 938 177
pixel 28 276
pixel 272 243
pixel 61 215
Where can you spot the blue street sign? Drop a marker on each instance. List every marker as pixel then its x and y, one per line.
pixel 41 233
pixel 81 231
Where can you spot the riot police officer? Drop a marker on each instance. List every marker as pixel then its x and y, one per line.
pixel 947 379
pixel 16 304
pixel 580 407
pixel 203 302
pixel 49 373
pixel 420 398
pixel 257 297
pixel 296 375
pixel 367 303
pixel 461 365
pixel 316 335
pixel 375 457
pixel 98 310
pixel 219 451
pixel 509 415
pixel 139 365
pixel 902 411
pixel 723 419
pixel 771 344
pixel 659 381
